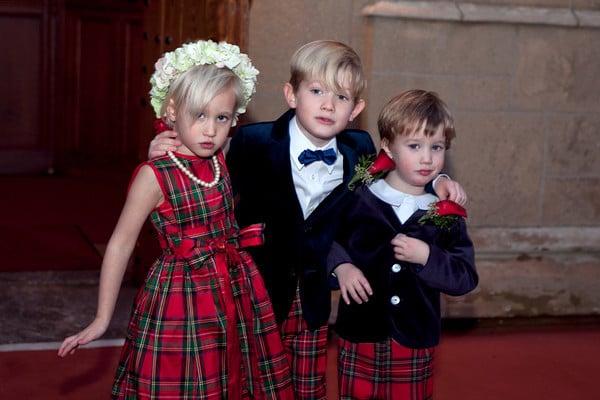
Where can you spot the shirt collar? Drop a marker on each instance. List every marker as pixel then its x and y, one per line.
pixel 382 190
pixel 299 143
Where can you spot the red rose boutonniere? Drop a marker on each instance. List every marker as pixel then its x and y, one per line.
pixel 160 126
pixel 443 213
pixel 368 169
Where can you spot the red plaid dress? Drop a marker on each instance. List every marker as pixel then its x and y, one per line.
pixel 202 325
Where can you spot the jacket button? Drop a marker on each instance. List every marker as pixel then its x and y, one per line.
pixel 396 268
pixel 395 300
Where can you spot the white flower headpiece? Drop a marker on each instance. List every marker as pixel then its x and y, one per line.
pixel 203 52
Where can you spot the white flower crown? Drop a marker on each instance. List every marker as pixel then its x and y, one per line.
pixel 203 52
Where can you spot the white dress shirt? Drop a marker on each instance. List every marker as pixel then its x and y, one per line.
pixel 403 204
pixel 315 181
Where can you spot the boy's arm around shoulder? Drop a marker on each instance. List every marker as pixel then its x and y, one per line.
pixel 451 268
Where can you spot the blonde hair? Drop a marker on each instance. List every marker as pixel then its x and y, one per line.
pixel 406 113
pixel 193 90
pixel 330 62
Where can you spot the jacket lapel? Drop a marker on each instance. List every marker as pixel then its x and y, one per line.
pixel 282 181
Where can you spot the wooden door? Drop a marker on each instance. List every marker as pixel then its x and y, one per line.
pixel 75 75
pixel 99 63
pixel 26 106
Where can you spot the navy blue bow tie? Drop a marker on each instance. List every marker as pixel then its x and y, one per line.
pixel 310 156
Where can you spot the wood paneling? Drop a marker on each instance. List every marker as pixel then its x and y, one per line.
pixel 76 96
pixel 102 64
pixel 24 104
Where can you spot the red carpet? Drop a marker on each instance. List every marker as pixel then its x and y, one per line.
pixel 541 363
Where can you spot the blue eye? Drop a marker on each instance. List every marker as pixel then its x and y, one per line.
pixel 414 146
pixel 223 118
pixel 438 147
pixel 316 91
pixel 343 98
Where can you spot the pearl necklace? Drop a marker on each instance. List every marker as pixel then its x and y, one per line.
pixel 193 177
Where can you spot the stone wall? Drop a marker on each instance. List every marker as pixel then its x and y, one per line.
pixel 521 77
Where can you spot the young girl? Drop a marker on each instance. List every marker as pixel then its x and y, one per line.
pixel 202 324
pixel 393 257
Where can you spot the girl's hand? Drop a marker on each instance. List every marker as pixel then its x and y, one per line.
pixel 410 249
pixel 92 332
pixel 163 142
pixel 447 189
pixel 353 282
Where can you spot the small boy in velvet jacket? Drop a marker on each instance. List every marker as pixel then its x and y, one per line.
pixel 394 254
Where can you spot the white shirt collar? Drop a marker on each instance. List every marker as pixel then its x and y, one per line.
pixel 299 142
pixel 382 190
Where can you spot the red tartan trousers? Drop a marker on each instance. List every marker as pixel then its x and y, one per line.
pixel 306 350
pixel 384 370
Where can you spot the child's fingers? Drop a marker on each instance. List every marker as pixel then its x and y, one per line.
pixel 167 134
pixel 361 293
pixel 68 346
pixel 354 295
pixel 365 284
pixel 398 239
pixel 345 294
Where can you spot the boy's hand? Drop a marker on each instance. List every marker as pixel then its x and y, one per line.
pixel 92 332
pixel 353 282
pixel 447 189
pixel 410 249
pixel 163 142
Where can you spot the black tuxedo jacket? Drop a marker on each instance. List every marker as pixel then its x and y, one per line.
pixel 406 297
pixel 295 249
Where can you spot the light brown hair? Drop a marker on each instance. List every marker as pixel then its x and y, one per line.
pixel 405 114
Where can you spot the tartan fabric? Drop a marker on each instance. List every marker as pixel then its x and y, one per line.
pixel 384 370
pixel 202 325
pixel 307 353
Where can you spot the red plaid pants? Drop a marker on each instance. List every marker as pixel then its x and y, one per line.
pixel 307 353
pixel 384 370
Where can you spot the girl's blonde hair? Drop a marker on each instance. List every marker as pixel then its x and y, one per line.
pixel 331 62
pixel 193 90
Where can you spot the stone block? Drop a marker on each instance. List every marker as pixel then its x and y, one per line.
pixel 571 202
pixel 527 3
pixel 554 74
pixel 434 47
pixel 586 4
pixel 517 14
pixel 551 285
pixel 532 272
pixel 573 146
pixel 588 18
pixel 498 158
pixel 459 92
pixel 434 10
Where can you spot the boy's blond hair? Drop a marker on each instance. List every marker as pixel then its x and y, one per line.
pixel 406 113
pixel 330 62
pixel 193 90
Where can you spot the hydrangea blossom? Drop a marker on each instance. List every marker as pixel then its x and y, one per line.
pixel 203 52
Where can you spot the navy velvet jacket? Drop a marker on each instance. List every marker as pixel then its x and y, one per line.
pixel 295 250
pixel 406 297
